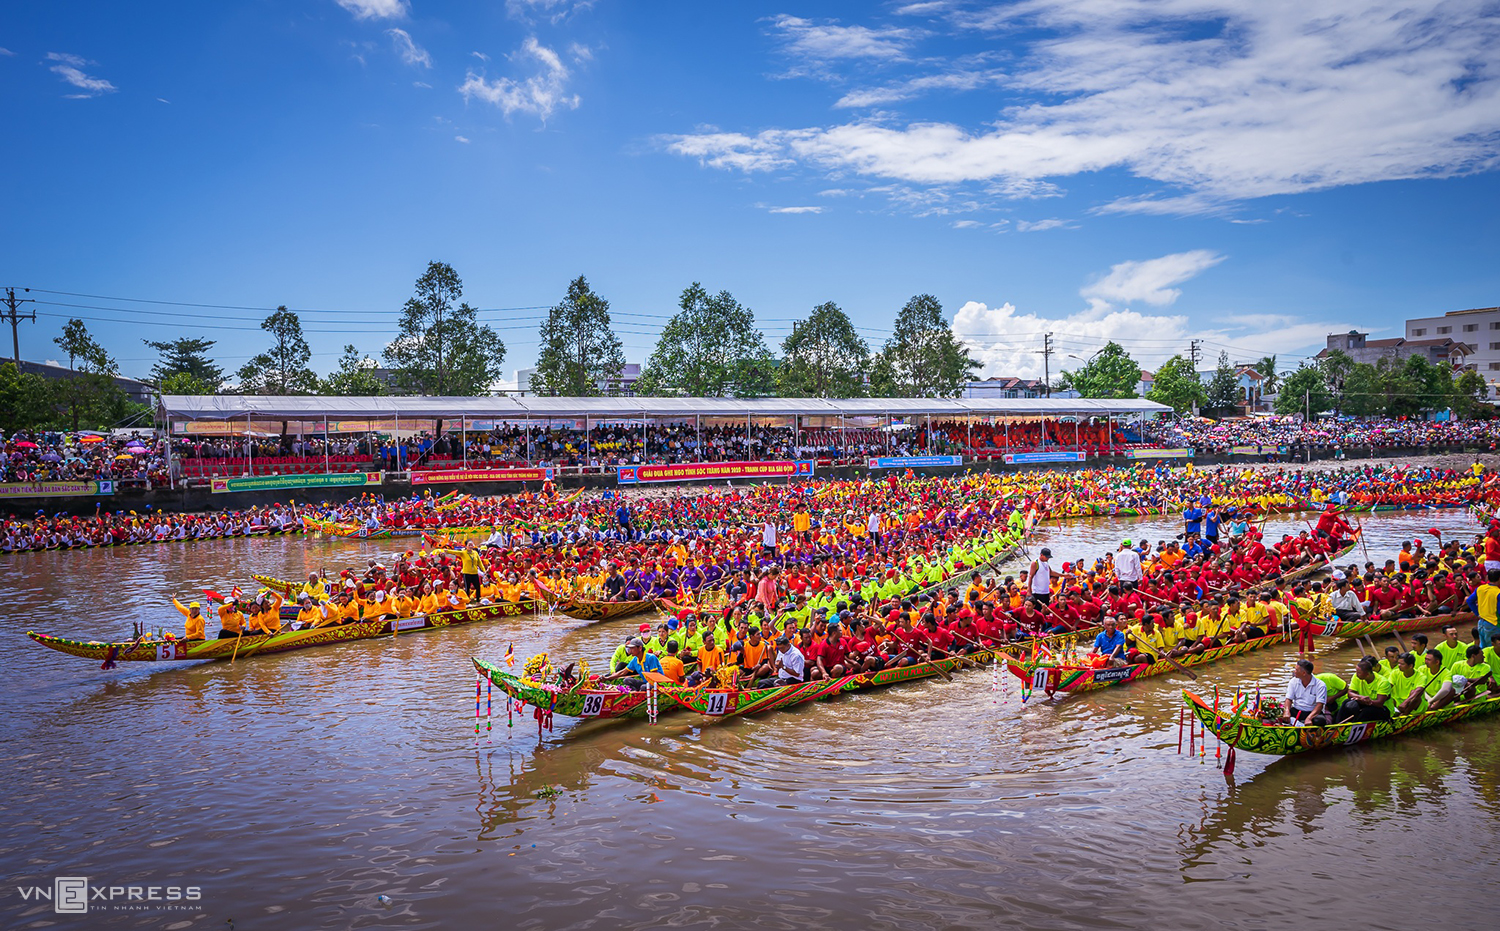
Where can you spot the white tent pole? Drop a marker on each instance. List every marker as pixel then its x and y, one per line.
pixel 698 428
pixel 463 436
pixel 249 445
pixel 326 467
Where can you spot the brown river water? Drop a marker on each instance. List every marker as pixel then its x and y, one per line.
pixel 340 787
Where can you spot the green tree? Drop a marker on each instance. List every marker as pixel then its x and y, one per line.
pixel 354 376
pixel 183 383
pixel 708 349
pixel 1470 393
pixel 1336 367
pixel 1364 394
pixel 189 356
pixel 89 400
pixel 922 359
pixel 1178 386
pixel 441 349
pixel 1304 389
pixel 1109 373
pixel 283 368
pixel 26 400
pixel 80 345
pixel 823 357
pixel 1224 387
pixel 1266 367
pixel 580 352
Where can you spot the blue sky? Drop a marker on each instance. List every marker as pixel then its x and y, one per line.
pixel 1254 174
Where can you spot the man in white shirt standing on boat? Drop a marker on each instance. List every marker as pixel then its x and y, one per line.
pixel 1128 564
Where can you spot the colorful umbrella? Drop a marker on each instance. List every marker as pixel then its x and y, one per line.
pixel 26 444
pixel 91 438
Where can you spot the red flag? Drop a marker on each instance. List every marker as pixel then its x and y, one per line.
pixel 236 593
pixel 212 595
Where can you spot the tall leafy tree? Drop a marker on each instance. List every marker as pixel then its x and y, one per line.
pixel 922 359
pixel 1224 387
pixel 710 348
pixel 188 356
pixel 1336 367
pixel 1304 390
pixel 439 348
pixel 1177 385
pixel 183 383
pixel 580 351
pixel 1469 393
pixel 1110 373
pixel 354 377
pixel 823 357
pixel 1363 393
pixel 81 346
pixel 282 369
pixel 25 400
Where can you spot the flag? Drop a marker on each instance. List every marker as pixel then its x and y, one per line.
pixel 510 655
pixel 211 595
pixel 236 593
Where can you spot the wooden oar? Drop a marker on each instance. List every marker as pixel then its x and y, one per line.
pixel 235 655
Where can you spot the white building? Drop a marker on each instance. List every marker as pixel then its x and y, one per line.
pixel 1480 328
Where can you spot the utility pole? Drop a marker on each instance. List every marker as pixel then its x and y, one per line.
pixel 1193 354
pixel 1046 352
pixel 14 316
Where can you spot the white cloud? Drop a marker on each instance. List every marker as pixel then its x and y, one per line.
pixel 422 84
pixel 812 43
pixel 966 224
pixel 376 9
pixel 554 11
pixel 1052 223
pixel 1217 101
pixel 916 87
pixel 162 100
pixel 796 209
pixel 1150 280
pixel 480 55
pixel 70 69
pixel 7 53
pixel 411 53
pixel 463 139
pixel 541 94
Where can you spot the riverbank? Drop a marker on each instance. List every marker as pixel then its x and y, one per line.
pixel 200 499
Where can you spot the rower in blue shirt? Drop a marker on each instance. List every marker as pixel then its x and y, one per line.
pixel 1111 642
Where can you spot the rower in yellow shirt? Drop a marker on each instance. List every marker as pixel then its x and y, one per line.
pixel 193 623
pixel 309 614
pixel 231 621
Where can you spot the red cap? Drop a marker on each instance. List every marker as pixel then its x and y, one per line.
pixel 645 627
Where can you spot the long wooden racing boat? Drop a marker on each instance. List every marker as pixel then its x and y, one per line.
pixel 1349 630
pixel 156 650
pixel 585 700
pixel 590 609
pixel 1076 677
pixel 1244 732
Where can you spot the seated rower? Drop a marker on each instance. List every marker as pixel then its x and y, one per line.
pixel 1475 674
pixel 671 664
pixel 790 664
pixel 636 667
pixel 1306 700
pixel 193 620
pixel 231 620
pixel 1368 695
pixel 1110 643
pixel 710 658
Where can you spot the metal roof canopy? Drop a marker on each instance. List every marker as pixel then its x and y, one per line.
pixel 227 407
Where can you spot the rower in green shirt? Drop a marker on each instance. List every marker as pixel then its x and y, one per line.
pixel 1406 684
pixel 1369 695
pixel 1476 672
pixel 1338 690
pixel 1452 649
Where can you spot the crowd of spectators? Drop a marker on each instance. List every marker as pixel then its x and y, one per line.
pixel 1287 434
pixel 139 458
pixel 34 457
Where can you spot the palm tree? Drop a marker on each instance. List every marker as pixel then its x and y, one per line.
pixel 1267 367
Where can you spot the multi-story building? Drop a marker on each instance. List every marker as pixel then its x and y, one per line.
pixel 1441 348
pixel 1480 328
pixel 1005 386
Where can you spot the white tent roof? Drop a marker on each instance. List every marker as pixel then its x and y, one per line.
pixel 226 407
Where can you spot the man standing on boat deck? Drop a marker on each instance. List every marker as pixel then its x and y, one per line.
pixel 1128 563
pixel 1483 602
pixel 1039 579
pixel 1306 697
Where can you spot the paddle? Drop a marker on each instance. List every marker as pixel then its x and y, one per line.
pixel 241 636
